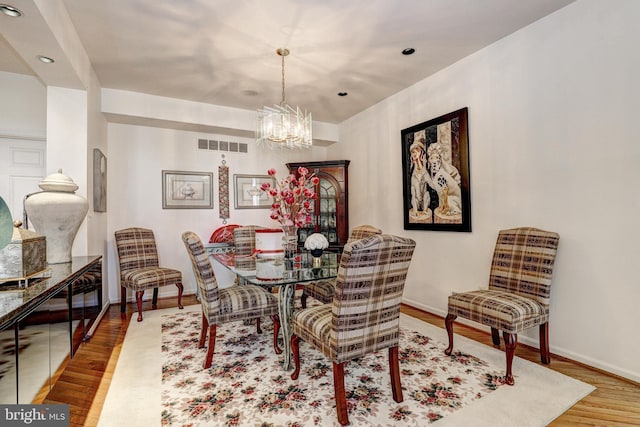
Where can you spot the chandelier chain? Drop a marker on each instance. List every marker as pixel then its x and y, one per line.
pixel 282 103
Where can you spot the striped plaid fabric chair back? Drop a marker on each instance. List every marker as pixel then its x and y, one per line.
pixel 366 303
pixel 136 249
pixel 203 271
pixel 245 245
pixel 523 262
pixel 362 231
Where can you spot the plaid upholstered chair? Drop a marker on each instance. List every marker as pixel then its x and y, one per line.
pixel 364 315
pixel 245 246
pixel 322 290
pixel 518 294
pixel 139 267
pixel 226 305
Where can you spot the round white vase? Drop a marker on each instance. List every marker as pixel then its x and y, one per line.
pixel 57 212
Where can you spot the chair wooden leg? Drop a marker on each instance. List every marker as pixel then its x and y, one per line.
pixel 203 331
pixel 258 330
pixel 545 355
pixel 139 295
pixel 510 342
pixel 123 299
pixel 276 329
pixel 212 345
pixel 154 300
pixel 394 370
pixel 341 397
pixel 295 349
pixel 180 290
pixel 303 300
pixel 495 336
pixel 449 324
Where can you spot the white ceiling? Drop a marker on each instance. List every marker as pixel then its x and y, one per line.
pixel 223 51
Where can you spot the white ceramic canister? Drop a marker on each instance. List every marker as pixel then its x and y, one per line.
pixel 269 241
pixel 269 254
pixel 57 212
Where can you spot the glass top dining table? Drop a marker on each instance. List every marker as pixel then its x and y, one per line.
pixel 299 273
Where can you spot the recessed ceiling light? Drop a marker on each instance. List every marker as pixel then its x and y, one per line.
pixel 10 10
pixel 408 51
pixel 342 94
pixel 46 59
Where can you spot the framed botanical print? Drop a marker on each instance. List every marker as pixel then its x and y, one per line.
pixel 248 194
pixel 187 190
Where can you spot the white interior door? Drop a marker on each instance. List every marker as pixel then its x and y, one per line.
pixel 22 167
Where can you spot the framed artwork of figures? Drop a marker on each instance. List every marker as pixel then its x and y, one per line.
pixel 435 174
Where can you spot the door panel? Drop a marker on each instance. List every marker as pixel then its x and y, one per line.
pixel 22 167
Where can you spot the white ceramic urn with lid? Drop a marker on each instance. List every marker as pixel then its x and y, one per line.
pixel 57 212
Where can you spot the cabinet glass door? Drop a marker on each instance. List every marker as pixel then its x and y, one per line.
pixel 323 213
pixel 326 220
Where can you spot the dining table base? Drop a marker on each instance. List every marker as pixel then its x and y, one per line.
pixel 285 309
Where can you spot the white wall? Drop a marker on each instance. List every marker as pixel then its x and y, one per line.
pixel 137 156
pixel 67 145
pixel 96 138
pixel 23 108
pixel 553 144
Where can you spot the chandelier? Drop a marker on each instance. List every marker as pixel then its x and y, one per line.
pixel 283 126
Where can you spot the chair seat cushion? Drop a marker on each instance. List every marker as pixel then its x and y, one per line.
pixel 501 310
pixel 241 302
pixel 150 277
pixel 313 326
pixel 321 290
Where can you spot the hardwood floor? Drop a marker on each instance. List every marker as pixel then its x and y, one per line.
pixel 83 382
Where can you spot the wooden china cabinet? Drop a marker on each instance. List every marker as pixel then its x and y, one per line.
pixel 331 208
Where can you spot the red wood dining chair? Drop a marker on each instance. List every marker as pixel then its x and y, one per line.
pixel 364 315
pixel 322 290
pixel 231 304
pixel 140 269
pixel 519 291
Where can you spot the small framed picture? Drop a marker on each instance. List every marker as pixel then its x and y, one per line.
pixel 99 181
pixel 248 193
pixel 187 190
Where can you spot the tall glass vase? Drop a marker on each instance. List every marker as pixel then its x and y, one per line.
pixel 290 245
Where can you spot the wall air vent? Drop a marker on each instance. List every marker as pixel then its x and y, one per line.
pixel 214 145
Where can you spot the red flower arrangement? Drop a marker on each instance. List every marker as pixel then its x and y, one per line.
pixel 292 198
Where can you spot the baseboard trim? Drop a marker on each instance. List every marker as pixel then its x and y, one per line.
pixel 533 343
pixel 94 325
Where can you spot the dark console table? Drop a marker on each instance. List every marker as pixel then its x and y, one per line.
pixel 43 323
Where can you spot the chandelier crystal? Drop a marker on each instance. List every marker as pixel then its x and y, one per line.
pixel 283 126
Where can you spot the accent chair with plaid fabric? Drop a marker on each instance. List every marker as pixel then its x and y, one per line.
pixel 519 291
pixel 244 238
pixel 364 315
pixel 139 267
pixel 322 290
pixel 239 302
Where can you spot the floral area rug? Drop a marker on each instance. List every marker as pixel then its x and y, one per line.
pixel 247 385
